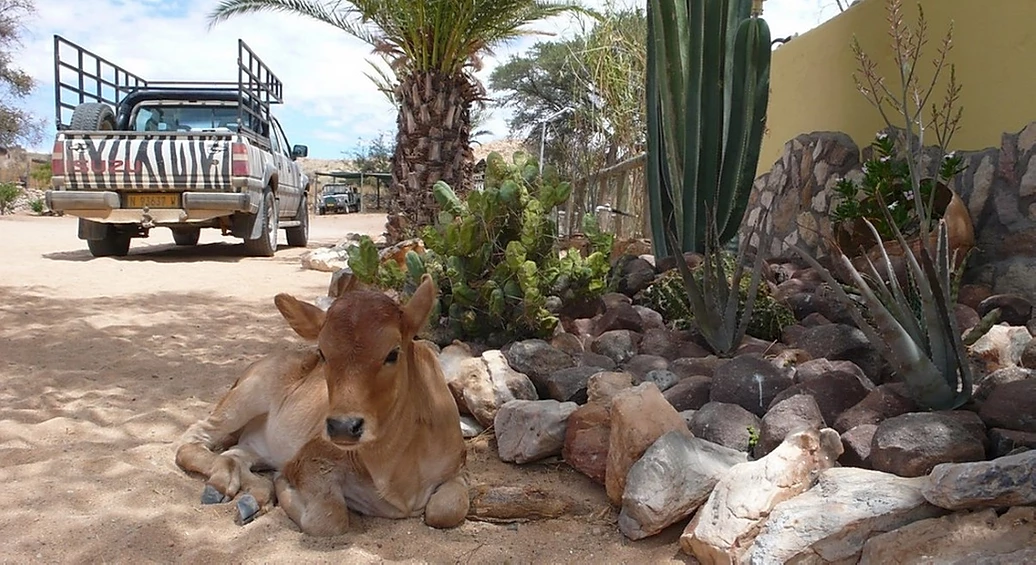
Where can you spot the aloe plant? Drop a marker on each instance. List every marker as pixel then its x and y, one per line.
pixel 708 81
pixel 925 348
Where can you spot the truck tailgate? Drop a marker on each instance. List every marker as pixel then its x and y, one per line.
pixel 150 161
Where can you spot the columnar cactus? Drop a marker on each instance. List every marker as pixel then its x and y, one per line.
pixel 708 86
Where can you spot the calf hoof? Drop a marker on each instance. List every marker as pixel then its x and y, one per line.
pixel 247 509
pixel 209 495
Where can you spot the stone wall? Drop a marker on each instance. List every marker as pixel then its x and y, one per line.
pixel 998 186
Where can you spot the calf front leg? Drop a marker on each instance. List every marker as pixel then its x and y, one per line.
pixel 448 505
pixel 310 491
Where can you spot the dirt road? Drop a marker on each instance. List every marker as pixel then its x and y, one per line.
pixel 104 363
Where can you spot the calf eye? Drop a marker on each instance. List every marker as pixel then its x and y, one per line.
pixel 392 356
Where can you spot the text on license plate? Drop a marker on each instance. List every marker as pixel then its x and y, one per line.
pixel 153 200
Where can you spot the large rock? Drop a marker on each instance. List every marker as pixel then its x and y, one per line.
pixel 1005 481
pixel 1006 442
pixel 635 274
pixel 816 368
pixel 1011 406
pixel 830 522
pixel 749 381
pixel 728 425
pixel 640 365
pixel 530 430
pixel 537 359
pixel 1014 310
pixel 618 345
pixel 987 384
pixel 834 392
pixel 639 416
pixel 675 476
pixel 857 444
pixel 586 440
pixel 841 342
pixel 621 316
pixel 745 496
pixel 326 259
pixel 692 366
pixel 961 538
pixel 690 393
pixel 602 387
pixel 882 403
pixel 912 444
pixel 1002 346
pixel 569 385
pixel 800 412
pixel 483 384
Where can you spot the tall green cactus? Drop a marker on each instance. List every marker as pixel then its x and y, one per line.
pixel 708 81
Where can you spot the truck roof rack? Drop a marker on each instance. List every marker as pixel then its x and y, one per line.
pixel 82 76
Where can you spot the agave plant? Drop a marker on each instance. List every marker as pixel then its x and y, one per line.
pixel 715 301
pixel 924 347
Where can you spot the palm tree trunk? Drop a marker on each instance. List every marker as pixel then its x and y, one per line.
pixel 432 144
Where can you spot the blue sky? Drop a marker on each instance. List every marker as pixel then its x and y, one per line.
pixel 330 104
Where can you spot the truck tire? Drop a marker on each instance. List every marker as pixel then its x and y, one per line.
pixel 266 244
pixel 299 236
pixel 114 244
pixel 186 236
pixel 93 116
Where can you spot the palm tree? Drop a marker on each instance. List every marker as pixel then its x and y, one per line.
pixel 434 47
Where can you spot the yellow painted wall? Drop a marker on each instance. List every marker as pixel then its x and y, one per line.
pixel 994 51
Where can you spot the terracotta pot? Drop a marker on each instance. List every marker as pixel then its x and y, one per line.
pixel 960 231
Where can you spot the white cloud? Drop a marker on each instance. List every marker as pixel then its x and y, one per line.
pixel 328 98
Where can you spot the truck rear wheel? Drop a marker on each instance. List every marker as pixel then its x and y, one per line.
pixel 299 236
pixel 186 236
pixel 266 244
pixel 92 116
pixel 114 244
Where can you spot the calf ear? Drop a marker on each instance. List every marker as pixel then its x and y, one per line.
pixel 306 319
pixel 416 311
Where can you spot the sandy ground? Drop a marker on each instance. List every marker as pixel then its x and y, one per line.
pixel 104 363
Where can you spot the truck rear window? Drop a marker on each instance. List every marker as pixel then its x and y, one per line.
pixel 185 118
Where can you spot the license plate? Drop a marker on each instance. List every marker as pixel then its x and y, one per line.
pixel 153 200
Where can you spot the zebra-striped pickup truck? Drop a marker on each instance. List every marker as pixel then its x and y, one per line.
pixel 177 160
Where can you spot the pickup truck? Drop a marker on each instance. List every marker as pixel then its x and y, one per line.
pixel 137 154
pixel 338 198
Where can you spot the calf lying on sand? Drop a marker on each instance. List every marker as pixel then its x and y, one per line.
pixel 364 420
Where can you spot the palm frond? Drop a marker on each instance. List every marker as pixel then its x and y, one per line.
pixel 345 17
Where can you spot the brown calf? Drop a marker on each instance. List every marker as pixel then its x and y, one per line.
pixel 364 420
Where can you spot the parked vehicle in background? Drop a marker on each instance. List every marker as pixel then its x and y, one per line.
pixel 134 154
pixel 336 198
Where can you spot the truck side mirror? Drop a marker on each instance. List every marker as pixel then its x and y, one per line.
pixel 299 151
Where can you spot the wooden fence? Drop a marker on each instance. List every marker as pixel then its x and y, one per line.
pixel 616 195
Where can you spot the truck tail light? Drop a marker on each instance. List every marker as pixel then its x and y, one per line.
pixel 57 159
pixel 239 160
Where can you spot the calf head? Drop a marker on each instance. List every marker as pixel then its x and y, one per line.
pixel 366 341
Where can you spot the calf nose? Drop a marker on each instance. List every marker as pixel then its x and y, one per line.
pixel 351 428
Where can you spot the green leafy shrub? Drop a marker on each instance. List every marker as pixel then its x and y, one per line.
pixel 886 184
pixel 495 259
pixel 8 193
pixel 668 296
pixel 37 206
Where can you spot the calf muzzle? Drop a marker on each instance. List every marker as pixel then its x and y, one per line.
pixel 345 428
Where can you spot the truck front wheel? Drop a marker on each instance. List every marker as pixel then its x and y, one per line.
pixel 299 236
pixel 266 244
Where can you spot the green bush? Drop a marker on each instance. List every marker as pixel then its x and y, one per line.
pixel 668 296
pixel 37 206
pixel 8 193
pixel 494 256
